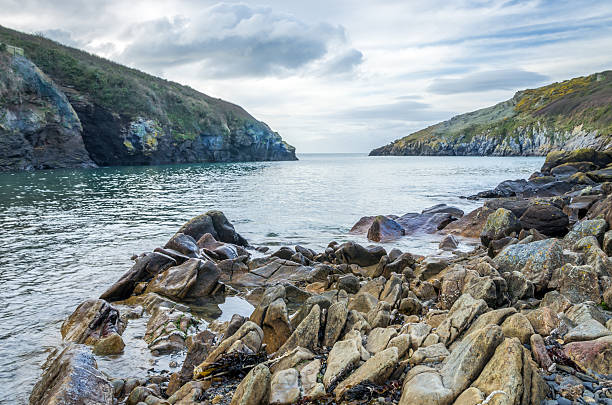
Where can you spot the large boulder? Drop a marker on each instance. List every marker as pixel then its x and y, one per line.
pixel 426 222
pixel 353 253
pixel 545 218
pixel 579 284
pixel 254 388
pixel 384 229
pixel 343 357
pixel 512 371
pixel 146 267
pixel 195 278
pixel 499 224
pixel 215 223
pixel 470 225
pixel 285 387
pixel 96 323
pixel 276 326
pixel 558 158
pixel 584 228
pixel 72 378
pixel 536 260
pixel 459 318
pixel 602 209
pixel 594 355
pixel 306 335
pixel 167 330
pixel 199 346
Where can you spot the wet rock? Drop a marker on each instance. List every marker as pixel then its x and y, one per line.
pixel 449 242
pixel 512 371
pixel 285 253
pixel 270 295
pixel 425 222
pixel 352 253
pixel 72 378
pixel 336 319
pixel 284 387
pixel 444 209
pixel 470 225
pixel 431 266
pixel 199 346
pixel 343 357
pixel 384 229
pixel 275 272
pixel 362 226
pixel 435 353
pixel 306 334
pixel 248 337
pixel 499 224
pixel 176 282
pixel 545 218
pixel 96 323
pixel 146 267
pixel 536 260
pixel 184 244
pixel 215 223
pixel 320 300
pixel 276 326
pixel 461 314
pixel 592 356
pixel 254 388
pixel 188 394
pixel 376 370
pixel 167 330
pixel 518 326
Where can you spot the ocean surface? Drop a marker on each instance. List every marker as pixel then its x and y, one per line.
pixel 66 235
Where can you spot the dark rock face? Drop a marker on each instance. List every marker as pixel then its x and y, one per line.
pixel 545 218
pixel 384 229
pixel 353 253
pixel 72 378
pixel 38 127
pixel 215 223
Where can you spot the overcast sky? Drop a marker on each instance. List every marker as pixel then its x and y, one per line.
pixel 338 75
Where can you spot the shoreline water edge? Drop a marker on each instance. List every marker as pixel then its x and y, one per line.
pixel 521 317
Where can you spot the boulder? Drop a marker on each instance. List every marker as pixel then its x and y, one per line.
pixel 539 351
pixel 579 283
pixel 215 223
pixel 558 158
pixel 443 209
pixel 276 326
pixel 146 267
pixel 309 375
pixel 587 330
pixel 461 314
pixel 607 243
pixel 343 357
pixel 518 326
pixel 543 320
pixel 72 378
pixel 587 227
pixel 306 334
pixel 602 209
pixel 435 353
pixel 362 226
pixel 536 260
pixel 296 358
pixel 384 229
pixel 167 330
pixel 375 370
pixel 249 334
pixel 449 242
pixel 284 387
pixel 183 244
pixel 470 225
pixel 336 319
pixel 353 253
pixel 423 385
pixel 379 338
pixel 601 176
pixel 254 388
pixel 348 283
pixel 95 323
pixel 415 223
pixel 199 346
pixel 545 218
pixel 285 253
pixel 512 371
pixel 593 355
pixel 499 224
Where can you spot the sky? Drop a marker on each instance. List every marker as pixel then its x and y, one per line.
pixel 338 75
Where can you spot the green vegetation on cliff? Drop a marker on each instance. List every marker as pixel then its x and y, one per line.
pixel 125 91
pixel 570 114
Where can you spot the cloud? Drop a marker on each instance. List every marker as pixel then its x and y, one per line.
pixel 239 40
pixel 63 37
pixel 404 110
pixel 506 79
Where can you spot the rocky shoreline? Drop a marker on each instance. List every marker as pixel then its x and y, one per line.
pixel 523 318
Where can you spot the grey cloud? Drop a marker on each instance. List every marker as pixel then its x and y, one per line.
pixel 406 110
pixel 345 62
pixel 238 40
pixel 63 37
pixel 507 79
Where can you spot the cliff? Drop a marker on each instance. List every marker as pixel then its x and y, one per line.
pixel 573 114
pixel 85 110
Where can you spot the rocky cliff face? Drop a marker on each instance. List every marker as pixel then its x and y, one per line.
pixel 569 115
pixel 39 129
pixel 85 111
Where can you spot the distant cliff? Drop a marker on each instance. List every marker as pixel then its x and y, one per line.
pixel 62 107
pixel 573 114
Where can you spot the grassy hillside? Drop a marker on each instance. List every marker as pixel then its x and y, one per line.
pixel 583 104
pixel 129 92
